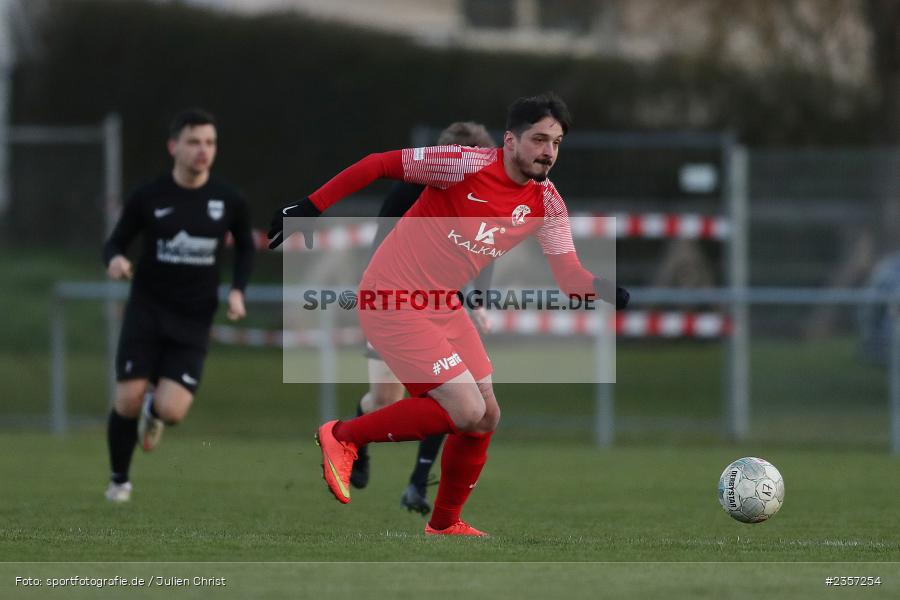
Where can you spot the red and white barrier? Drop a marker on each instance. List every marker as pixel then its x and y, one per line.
pixel 279 338
pixel 631 324
pixel 623 226
pixel 651 226
pixel 672 324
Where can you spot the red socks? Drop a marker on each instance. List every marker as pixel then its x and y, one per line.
pixel 461 463
pixel 415 419
pixel 408 419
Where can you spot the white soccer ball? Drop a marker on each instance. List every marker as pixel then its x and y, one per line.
pixel 751 490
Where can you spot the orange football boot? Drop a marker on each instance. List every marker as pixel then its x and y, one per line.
pixel 458 528
pixel 337 461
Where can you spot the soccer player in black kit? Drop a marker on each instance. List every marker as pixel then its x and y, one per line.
pixel 384 387
pixel 184 217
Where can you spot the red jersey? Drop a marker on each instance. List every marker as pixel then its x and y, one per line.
pixel 470 214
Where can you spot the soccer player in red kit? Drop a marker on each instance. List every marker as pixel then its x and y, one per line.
pixel 478 204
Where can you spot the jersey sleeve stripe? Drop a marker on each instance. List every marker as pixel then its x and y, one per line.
pixel 555 234
pixel 444 166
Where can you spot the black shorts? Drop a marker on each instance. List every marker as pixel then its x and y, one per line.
pixel 156 342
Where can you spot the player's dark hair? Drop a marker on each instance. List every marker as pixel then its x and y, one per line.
pixel 466 133
pixel 525 112
pixel 190 118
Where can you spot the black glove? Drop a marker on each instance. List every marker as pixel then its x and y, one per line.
pixel 610 293
pixel 304 208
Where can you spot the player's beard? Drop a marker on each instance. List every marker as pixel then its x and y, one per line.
pixel 532 169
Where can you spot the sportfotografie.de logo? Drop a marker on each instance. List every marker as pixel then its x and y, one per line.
pixel 492 299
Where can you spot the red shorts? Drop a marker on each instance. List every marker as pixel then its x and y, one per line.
pixel 426 348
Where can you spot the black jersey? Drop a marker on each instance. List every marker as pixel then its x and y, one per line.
pixel 183 234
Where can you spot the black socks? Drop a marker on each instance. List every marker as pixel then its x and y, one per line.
pixel 121 437
pixel 428 451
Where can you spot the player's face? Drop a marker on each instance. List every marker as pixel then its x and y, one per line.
pixel 534 152
pixel 194 149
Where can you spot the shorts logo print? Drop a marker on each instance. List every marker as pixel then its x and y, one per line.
pixel 443 364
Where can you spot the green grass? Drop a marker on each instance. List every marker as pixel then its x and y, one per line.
pixel 831 398
pixel 222 498
pixel 219 497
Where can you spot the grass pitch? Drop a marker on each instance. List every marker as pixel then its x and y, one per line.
pixel 224 498
pixel 219 499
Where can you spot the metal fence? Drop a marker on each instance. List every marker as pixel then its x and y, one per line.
pixel 605 422
pixel 66 152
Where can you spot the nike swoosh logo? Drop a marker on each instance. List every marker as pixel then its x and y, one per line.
pixel 188 379
pixel 336 478
pixel 474 199
pixel 285 210
pixel 159 213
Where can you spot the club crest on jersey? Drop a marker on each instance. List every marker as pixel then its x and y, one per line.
pixel 215 209
pixel 518 215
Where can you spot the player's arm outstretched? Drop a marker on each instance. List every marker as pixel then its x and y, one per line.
pixel 436 166
pixel 555 237
pixel 126 229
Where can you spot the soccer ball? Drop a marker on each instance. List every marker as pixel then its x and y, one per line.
pixel 751 490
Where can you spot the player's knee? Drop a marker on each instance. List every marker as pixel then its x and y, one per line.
pixel 469 416
pixel 171 415
pixel 490 420
pixel 491 417
pixel 128 405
